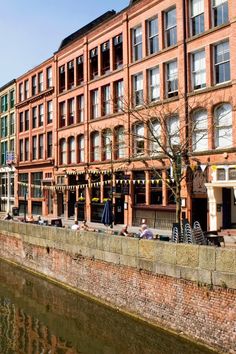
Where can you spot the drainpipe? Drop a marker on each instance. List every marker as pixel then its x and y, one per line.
pixel 185 23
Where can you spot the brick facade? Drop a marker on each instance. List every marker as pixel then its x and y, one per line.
pixel 176 56
pixel 186 288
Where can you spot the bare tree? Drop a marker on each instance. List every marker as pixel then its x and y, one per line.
pixel 164 134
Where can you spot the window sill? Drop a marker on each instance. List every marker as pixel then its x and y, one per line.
pixel 207 32
pixel 210 88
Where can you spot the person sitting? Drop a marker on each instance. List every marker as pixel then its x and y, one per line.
pixel 124 231
pixel 75 227
pixel 30 219
pixel 84 226
pixel 39 221
pixel 145 232
pixel 8 217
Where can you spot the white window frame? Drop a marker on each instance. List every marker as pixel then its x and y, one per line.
pixel 200 130
pixel 171 78
pixel 95 146
pixel 217 4
pixel 155 135
pixel 81 108
pixel 154 85
pixel 119 89
pixel 223 62
pixel 135 44
pixel 50 112
pixel 223 126
pixel 199 14
pixel 81 149
pixel 63 151
pixel 173 135
pixel 106 100
pixel 95 113
pixel 152 37
pixel 107 144
pixel 139 139
pixel 72 151
pixel 120 142
pixel 196 72
pixel 138 89
pixel 170 28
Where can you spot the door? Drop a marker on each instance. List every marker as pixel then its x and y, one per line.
pixel 199 212
pixel 119 211
pixel 71 204
pixel 226 198
pixel 60 203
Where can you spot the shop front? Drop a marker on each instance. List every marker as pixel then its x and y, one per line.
pixel 222 198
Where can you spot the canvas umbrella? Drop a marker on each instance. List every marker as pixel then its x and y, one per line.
pixel 107 217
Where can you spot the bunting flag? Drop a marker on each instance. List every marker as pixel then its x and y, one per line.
pixel 92 184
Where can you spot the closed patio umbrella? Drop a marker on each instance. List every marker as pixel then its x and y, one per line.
pixel 107 217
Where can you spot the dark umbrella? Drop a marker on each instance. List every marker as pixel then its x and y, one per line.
pixel 107 217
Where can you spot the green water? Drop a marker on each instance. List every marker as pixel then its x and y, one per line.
pixel 37 317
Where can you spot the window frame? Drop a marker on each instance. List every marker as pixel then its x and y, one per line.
pixel 219 127
pixel 197 131
pixel 213 9
pixel 172 93
pixel 192 16
pixel 152 37
pixel 137 93
pixel 195 72
pixel 152 87
pixel 137 53
pixel 221 63
pixel 170 28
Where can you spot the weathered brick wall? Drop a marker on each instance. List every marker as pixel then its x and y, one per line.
pixel 176 286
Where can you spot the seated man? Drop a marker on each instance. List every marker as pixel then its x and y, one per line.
pixel 40 221
pixel 145 232
pixel 124 231
pixel 75 226
pixel 8 217
pixel 84 226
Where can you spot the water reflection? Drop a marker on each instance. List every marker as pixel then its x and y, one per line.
pixel 37 317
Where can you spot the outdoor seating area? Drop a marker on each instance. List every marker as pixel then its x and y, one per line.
pixel 195 235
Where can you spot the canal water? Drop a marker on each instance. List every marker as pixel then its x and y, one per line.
pixel 38 317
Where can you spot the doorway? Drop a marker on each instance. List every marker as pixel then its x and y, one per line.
pixel 119 210
pixel 60 204
pixel 226 208
pixel 199 212
pixel 71 204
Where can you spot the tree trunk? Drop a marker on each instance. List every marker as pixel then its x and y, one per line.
pixel 178 203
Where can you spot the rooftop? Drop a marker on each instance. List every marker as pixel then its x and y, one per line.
pixel 82 31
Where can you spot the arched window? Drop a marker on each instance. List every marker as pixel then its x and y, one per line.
pixel 223 126
pixel 107 144
pixel 80 148
pixel 138 139
pixel 95 147
pixel 199 130
pixel 120 142
pixel 63 151
pixel 71 146
pixel 173 132
pixel 155 137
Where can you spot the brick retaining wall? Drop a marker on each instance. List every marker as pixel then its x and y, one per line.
pixel 186 288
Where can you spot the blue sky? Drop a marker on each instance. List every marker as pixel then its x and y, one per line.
pixel 31 30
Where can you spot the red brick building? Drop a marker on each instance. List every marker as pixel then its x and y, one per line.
pixel 170 53
pixel 36 134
